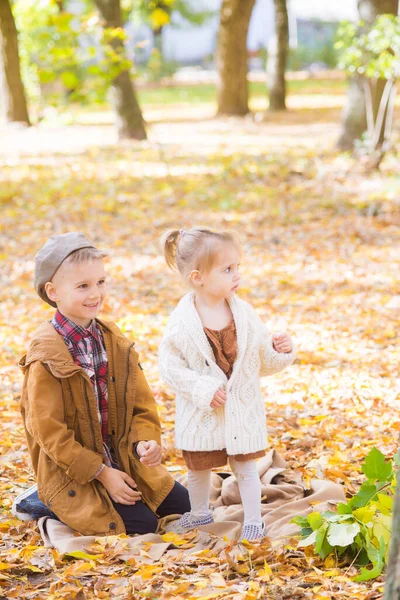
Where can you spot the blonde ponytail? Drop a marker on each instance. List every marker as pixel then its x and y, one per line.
pixel 169 243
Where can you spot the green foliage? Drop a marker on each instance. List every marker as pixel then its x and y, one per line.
pixel 66 56
pixel 360 529
pixel 156 67
pixel 373 50
pixel 303 56
pixel 157 13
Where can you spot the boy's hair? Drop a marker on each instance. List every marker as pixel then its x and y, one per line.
pixel 194 249
pixel 83 255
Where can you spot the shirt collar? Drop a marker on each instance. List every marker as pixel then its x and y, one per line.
pixel 72 331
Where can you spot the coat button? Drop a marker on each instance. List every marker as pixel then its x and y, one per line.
pixel 112 379
pixel 113 525
pixel 72 493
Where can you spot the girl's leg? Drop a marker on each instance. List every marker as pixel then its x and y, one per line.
pixel 250 489
pixel 250 492
pixel 199 495
pixel 199 492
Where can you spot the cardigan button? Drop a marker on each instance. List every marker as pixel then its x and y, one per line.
pixel 72 493
pixel 112 379
pixel 113 525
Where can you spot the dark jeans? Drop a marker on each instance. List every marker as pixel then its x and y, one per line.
pixel 137 518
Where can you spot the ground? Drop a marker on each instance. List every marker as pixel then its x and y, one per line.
pixel 321 258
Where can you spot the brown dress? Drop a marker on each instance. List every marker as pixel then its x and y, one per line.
pixel 224 345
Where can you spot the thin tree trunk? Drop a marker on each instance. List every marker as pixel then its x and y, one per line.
pixel 354 122
pixel 392 587
pixel 277 58
pixel 13 105
pixel 232 57
pixel 129 118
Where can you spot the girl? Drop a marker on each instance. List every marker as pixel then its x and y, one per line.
pixel 213 353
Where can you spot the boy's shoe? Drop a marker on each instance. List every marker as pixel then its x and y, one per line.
pixel 188 522
pixel 251 533
pixel 28 507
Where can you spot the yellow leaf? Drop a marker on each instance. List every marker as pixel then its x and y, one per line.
pixel 148 571
pixel 330 561
pixel 6 566
pixel 84 555
pixel 174 538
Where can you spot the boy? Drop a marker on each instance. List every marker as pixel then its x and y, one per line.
pixel 90 418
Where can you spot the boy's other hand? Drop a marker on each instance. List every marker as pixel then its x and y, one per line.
pixel 219 398
pixel 282 342
pixel 150 453
pixel 119 486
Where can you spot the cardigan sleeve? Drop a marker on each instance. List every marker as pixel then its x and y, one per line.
pixel 272 361
pixel 185 382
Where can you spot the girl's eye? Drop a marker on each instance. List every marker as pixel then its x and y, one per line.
pixel 101 282
pixel 82 286
pixel 228 270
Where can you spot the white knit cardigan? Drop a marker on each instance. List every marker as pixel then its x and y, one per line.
pixel 187 365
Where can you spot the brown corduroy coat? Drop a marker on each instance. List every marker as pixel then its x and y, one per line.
pixel 59 410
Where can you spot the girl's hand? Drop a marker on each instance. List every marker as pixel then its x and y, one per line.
pixel 282 343
pixel 150 453
pixel 219 399
pixel 119 486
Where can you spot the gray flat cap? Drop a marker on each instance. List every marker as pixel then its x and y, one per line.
pixel 50 257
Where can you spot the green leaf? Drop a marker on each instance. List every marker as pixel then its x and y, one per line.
pixel 322 546
pixel 364 495
pixel 342 534
pixel 376 556
pixel 69 79
pixel 385 503
pixel 301 522
pixel 344 509
pixel 365 513
pixel 308 541
pixel 315 520
pixel 375 467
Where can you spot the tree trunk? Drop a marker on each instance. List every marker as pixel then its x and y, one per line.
pixel 392 587
pixel 277 56
pixel 354 122
pixel 12 94
pixel 232 57
pixel 129 118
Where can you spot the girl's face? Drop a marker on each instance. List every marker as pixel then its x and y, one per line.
pixel 223 280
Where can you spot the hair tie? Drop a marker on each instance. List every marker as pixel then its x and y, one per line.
pixel 182 232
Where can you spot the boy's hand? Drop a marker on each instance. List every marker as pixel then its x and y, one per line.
pixel 282 342
pixel 150 453
pixel 219 398
pixel 119 486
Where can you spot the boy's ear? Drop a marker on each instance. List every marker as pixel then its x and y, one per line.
pixel 51 291
pixel 196 278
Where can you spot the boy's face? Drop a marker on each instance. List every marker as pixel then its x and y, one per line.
pixel 79 290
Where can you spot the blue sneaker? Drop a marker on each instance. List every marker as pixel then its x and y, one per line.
pixel 188 522
pixel 28 507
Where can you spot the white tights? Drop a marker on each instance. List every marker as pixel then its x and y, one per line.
pixel 249 487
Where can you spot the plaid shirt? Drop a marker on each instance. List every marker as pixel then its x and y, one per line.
pixel 87 349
